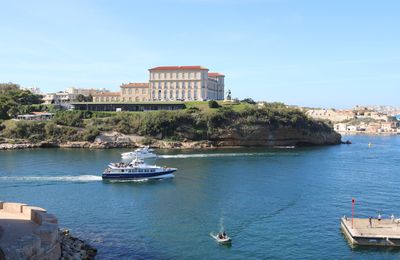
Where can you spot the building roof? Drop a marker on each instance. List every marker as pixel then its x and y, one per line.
pixel 215 74
pixel 179 68
pixel 135 85
pixel 105 94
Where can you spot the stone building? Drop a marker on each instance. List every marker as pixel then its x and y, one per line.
pixel 107 97
pixel 61 98
pixel 135 92
pixel 331 114
pixel 85 91
pixel 185 83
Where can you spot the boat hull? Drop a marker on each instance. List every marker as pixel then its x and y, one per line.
pixel 137 176
pixel 223 241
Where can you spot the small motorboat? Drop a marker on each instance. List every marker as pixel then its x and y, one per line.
pixel 141 153
pixel 221 238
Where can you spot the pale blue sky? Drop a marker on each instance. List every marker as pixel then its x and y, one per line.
pixel 332 53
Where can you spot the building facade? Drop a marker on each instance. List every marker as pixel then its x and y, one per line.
pixel 134 92
pixel 85 91
pixel 107 97
pixel 185 83
pixel 63 99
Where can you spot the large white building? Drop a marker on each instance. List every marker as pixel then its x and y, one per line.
pixel 185 83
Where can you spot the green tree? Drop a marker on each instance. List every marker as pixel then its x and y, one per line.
pixel 213 104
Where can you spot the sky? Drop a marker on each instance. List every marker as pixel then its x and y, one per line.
pixel 329 53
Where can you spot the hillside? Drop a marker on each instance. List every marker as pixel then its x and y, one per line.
pixel 229 124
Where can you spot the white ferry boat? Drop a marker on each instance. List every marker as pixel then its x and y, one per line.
pixel 142 153
pixel 136 170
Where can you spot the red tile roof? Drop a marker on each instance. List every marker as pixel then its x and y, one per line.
pixel 137 85
pixel 179 68
pixel 215 74
pixel 104 94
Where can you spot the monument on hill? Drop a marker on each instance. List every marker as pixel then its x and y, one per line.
pixel 228 97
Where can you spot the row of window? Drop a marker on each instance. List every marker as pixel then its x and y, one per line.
pixel 133 91
pixel 185 84
pixel 177 75
pixel 164 95
pixel 110 99
pixel 139 170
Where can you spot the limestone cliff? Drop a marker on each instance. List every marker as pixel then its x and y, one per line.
pixel 265 136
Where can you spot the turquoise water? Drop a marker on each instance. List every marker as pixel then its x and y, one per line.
pixel 274 203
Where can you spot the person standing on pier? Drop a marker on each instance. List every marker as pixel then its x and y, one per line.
pixel 370 222
pixel 379 217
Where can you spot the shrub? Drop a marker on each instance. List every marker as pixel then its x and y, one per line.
pixel 213 104
pixel 90 133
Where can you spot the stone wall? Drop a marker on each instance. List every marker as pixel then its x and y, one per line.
pixel 39 242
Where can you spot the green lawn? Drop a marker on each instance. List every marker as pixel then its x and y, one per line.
pixel 203 105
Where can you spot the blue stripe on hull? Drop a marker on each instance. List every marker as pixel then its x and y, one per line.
pixel 133 176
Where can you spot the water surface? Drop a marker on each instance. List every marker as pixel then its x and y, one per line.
pixel 275 203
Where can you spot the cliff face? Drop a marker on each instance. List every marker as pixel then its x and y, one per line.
pixel 240 136
pixel 264 136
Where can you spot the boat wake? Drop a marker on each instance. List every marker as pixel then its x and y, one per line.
pixel 78 178
pixel 208 155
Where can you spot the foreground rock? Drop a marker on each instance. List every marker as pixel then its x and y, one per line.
pixel 29 232
pixel 73 248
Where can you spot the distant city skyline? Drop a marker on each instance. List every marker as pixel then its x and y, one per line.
pixel 307 53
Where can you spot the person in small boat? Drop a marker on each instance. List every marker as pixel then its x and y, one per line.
pixel 224 234
pixel 220 236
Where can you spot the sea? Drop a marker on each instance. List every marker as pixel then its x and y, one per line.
pixel 274 203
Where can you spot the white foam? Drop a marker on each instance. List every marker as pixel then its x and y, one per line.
pixel 78 178
pixel 204 155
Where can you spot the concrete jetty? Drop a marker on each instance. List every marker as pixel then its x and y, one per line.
pixel 385 232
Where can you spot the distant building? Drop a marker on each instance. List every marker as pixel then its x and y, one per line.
pixel 119 106
pixel 331 114
pixel 185 83
pixel 107 97
pixel 63 99
pixel 130 92
pixel 134 92
pixel 34 90
pixel 340 127
pixel 36 116
pixel 85 91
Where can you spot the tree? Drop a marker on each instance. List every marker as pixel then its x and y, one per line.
pixel 12 98
pixel 80 98
pixel 249 101
pixel 213 104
